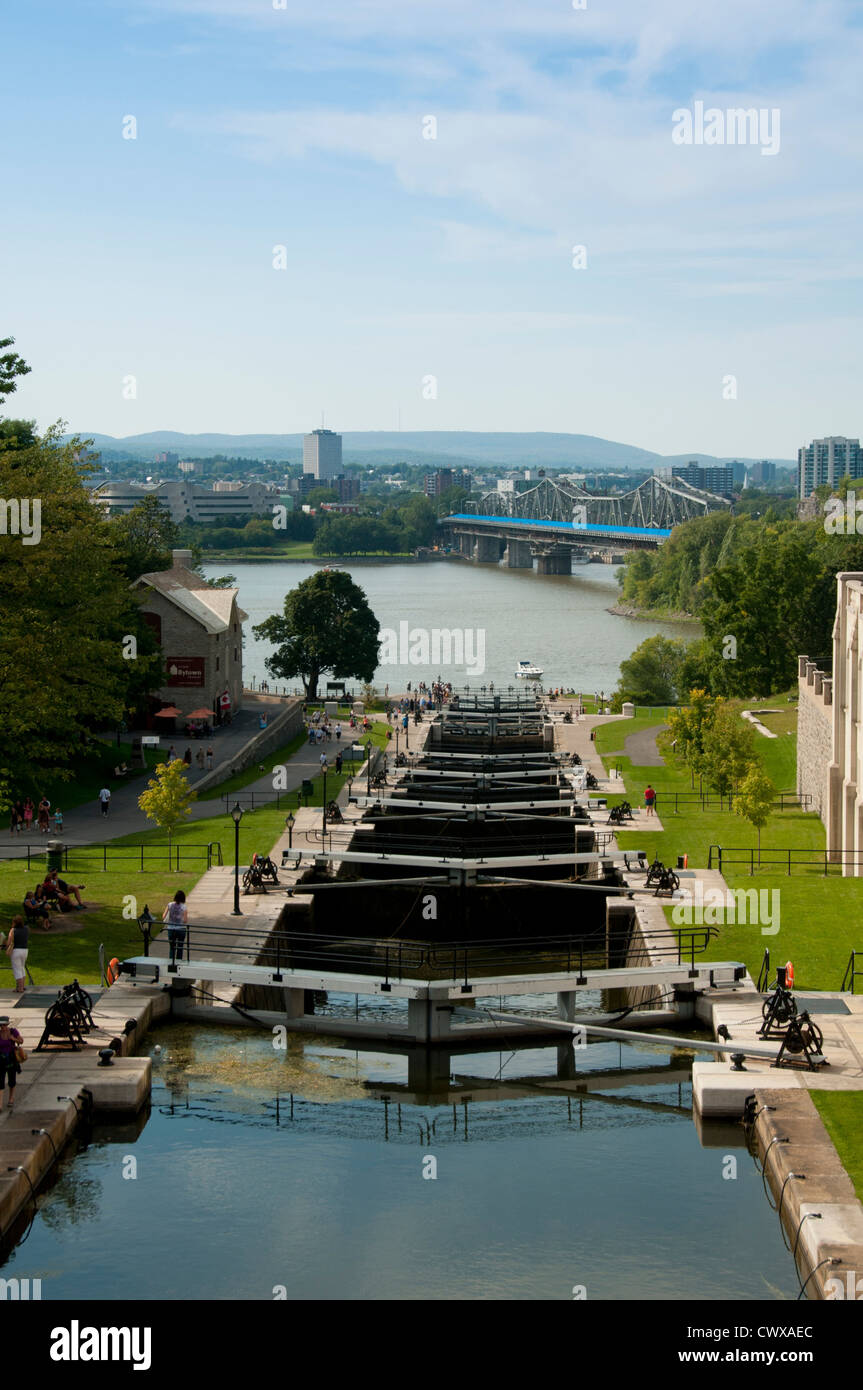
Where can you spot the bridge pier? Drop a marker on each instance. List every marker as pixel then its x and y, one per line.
pixel 555 561
pixel 518 555
pixel 486 550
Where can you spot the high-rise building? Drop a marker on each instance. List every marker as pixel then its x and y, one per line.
pixel 827 461
pixel 762 472
pixel 436 483
pixel 718 479
pixel 322 454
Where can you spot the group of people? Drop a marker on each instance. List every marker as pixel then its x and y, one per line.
pixel 202 758
pixel 24 813
pixel 321 729
pixel 53 891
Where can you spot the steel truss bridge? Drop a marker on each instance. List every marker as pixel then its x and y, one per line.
pixel 555 518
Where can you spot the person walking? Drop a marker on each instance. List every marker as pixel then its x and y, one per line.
pixel 176 914
pixel 199 759
pixel 338 732
pixel 17 945
pixel 172 754
pixel 187 757
pixel 44 815
pixel 105 800
pixel 323 762
pixel 650 799
pixel 28 815
pixel 10 1049
pixel 339 761
pixel 210 759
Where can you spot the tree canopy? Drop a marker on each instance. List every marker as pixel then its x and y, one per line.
pixel 328 627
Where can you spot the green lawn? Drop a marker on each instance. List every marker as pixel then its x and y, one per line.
pixel 820 917
pixel 57 959
pixel 842 1113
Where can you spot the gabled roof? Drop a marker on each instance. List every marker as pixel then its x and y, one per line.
pixel 209 607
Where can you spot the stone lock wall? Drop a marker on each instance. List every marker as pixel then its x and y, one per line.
pixel 814 736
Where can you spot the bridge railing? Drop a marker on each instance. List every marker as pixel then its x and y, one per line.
pixel 410 960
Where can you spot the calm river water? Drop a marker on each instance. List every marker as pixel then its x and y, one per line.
pixel 259 1169
pixel 560 623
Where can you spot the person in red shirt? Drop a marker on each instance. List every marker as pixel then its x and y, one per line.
pixel 649 799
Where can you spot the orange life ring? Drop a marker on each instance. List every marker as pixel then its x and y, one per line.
pixel 789 975
pixel 113 971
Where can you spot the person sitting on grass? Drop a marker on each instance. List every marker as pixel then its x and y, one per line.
pixel 34 907
pixel 54 887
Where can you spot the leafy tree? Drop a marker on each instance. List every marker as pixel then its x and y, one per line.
pixel 754 799
pixel 327 627
pixel 728 751
pixel 17 434
pixel 687 730
pixel 145 536
pixel 65 609
pixel 650 676
pixel 168 798
pixel 322 494
pixel 11 367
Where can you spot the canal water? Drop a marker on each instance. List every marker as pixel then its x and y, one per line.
pixel 299 1172
pixel 560 623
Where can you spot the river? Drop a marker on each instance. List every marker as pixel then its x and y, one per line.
pixel 561 623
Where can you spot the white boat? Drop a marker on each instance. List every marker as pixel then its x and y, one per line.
pixel 526 671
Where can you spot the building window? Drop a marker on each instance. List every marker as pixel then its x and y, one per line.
pixel 217 663
pixel 236 655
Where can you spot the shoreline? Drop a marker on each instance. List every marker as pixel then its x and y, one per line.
pixel 628 610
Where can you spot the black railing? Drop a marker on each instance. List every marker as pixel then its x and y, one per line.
pixel 398 960
pixel 138 857
pixel 851 972
pixel 764 972
pixel 783 801
pixel 722 857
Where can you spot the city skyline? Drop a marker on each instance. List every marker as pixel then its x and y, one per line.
pixel 484 216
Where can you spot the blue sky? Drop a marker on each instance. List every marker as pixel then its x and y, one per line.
pixel 450 257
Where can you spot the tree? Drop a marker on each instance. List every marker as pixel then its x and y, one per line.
pixel 754 799
pixel 145 536
pixel 687 729
pixel 327 627
pixel 11 367
pixel 168 798
pixel 650 675
pixel 65 610
pixel 728 750
pixel 322 494
pixel 17 434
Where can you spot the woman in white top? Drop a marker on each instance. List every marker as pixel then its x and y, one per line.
pixel 176 914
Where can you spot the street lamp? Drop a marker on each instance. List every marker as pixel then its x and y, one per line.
pixel 145 922
pixel 368 767
pixel 289 826
pixel 236 817
pixel 325 799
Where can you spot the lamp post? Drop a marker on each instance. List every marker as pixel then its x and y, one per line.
pixel 369 767
pixel 145 922
pixel 325 801
pixel 236 817
pixel 289 826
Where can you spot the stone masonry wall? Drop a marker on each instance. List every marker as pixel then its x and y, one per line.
pixel 814 743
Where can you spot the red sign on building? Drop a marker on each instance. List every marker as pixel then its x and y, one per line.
pixel 185 670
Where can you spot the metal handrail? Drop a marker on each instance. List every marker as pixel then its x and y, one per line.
pixel 404 958
pixel 764 972
pixel 761 858
pixel 851 972
pixel 783 800
pixel 110 852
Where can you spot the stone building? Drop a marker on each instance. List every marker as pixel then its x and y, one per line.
pixel 830 729
pixel 201 635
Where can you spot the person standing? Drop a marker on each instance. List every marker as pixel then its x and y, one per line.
pixel 44 815
pixel 339 761
pixel 172 754
pixel 28 815
pixel 10 1042
pixel 176 914
pixel 338 733
pixel 650 799
pixel 187 757
pixel 199 759
pixel 210 759
pixel 17 945
pixel 104 800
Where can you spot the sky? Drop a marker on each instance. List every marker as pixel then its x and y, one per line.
pixel 364 211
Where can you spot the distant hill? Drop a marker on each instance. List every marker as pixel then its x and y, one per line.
pixel 434 448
